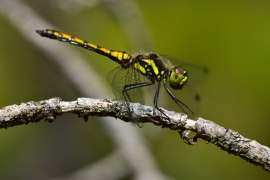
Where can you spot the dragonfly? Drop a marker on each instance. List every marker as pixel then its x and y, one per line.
pixel 137 71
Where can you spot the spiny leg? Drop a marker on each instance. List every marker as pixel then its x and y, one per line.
pixel 177 101
pixel 156 102
pixel 130 87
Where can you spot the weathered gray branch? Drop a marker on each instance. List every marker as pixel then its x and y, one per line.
pixel 227 139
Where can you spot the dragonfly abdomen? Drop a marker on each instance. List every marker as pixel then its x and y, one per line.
pixel 121 57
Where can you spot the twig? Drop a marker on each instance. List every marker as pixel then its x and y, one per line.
pixel 227 139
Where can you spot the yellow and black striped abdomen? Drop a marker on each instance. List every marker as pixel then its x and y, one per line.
pixel 120 57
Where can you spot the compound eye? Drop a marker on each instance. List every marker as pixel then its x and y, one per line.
pixel 178 70
pixel 178 77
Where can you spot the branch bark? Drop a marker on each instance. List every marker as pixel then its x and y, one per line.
pixel 227 139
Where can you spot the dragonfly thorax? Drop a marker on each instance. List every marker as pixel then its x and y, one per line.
pixel 178 77
pixel 150 65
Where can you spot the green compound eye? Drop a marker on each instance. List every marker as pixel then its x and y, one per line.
pixel 178 77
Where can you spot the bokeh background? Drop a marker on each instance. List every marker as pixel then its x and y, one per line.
pixel 231 38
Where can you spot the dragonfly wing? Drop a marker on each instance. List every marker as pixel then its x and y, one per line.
pixel 120 77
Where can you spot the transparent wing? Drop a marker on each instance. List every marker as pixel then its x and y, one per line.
pixel 119 77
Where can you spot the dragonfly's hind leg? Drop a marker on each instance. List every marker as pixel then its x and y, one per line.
pixel 156 102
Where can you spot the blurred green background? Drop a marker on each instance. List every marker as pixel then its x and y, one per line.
pixel 231 38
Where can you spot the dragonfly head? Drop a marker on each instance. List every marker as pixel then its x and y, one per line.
pixel 178 77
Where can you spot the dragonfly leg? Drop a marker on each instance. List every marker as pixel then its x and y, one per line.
pixel 130 87
pixel 177 101
pixel 156 102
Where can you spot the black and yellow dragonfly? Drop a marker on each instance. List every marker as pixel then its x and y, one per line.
pixel 138 71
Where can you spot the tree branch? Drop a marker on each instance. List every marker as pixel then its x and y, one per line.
pixel 227 139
